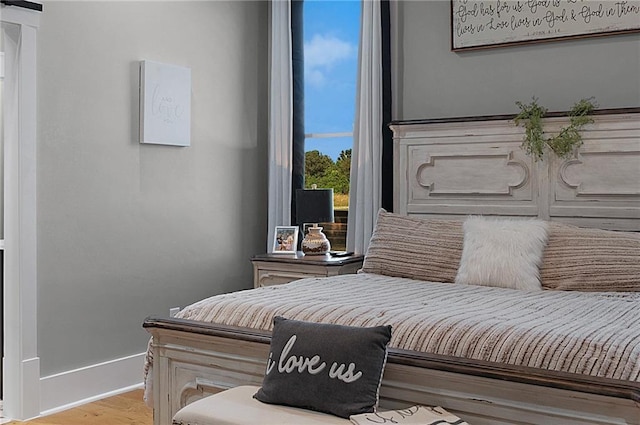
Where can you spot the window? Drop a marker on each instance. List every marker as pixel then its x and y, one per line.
pixel 331 31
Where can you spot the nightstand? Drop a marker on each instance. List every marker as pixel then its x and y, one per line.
pixel 276 269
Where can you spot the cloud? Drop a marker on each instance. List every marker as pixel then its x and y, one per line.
pixel 314 77
pixel 322 53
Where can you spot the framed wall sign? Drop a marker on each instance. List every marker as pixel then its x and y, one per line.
pixel 480 24
pixel 165 104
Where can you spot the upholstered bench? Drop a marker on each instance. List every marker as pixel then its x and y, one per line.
pixel 236 406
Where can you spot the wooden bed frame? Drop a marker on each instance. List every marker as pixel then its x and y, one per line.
pixel 195 359
pixel 452 168
pixel 456 167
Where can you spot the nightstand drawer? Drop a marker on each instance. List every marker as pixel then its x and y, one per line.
pixel 276 269
pixel 278 277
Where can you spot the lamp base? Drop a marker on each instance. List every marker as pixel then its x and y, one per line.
pixel 315 242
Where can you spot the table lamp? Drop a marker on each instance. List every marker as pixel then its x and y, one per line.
pixel 314 206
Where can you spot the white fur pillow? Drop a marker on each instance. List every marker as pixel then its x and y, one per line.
pixel 502 252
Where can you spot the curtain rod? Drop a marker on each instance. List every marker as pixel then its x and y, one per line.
pixel 24 4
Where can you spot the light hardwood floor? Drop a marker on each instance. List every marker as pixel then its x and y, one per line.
pixel 123 409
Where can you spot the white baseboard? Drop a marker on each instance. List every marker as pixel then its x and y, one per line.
pixel 75 387
pixel 24 381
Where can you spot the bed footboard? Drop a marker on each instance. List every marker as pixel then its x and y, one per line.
pixel 195 359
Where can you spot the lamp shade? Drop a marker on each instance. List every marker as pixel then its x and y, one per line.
pixel 314 206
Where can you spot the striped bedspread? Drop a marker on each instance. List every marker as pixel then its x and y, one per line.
pixel 595 333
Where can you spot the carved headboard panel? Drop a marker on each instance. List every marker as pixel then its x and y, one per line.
pixel 456 167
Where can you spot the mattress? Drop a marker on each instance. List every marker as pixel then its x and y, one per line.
pixel 590 333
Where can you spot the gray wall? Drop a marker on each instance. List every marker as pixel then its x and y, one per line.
pixel 128 230
pixel 432 82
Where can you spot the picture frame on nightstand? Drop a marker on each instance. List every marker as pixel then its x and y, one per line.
pixel 285 240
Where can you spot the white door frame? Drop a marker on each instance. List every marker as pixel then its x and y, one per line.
pixel 21 361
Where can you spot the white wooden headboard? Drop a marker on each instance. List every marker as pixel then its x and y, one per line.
pixel 457 167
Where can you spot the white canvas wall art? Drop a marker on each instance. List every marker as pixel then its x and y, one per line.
pixel 165 104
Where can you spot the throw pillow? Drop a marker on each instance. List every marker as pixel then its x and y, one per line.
pixel 329 368
pixel 578 259
pixel 415 415
pixel 502 252
pixel 415 248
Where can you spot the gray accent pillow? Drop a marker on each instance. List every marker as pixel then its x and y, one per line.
pixel 328 368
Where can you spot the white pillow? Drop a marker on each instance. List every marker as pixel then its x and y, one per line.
pixel 502 252
pixel 414 415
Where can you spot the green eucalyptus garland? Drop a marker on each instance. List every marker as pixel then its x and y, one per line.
pixel 566 141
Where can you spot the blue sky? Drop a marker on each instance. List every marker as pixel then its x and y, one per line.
pixel 331 31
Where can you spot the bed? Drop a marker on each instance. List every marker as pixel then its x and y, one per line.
pixel 566 354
